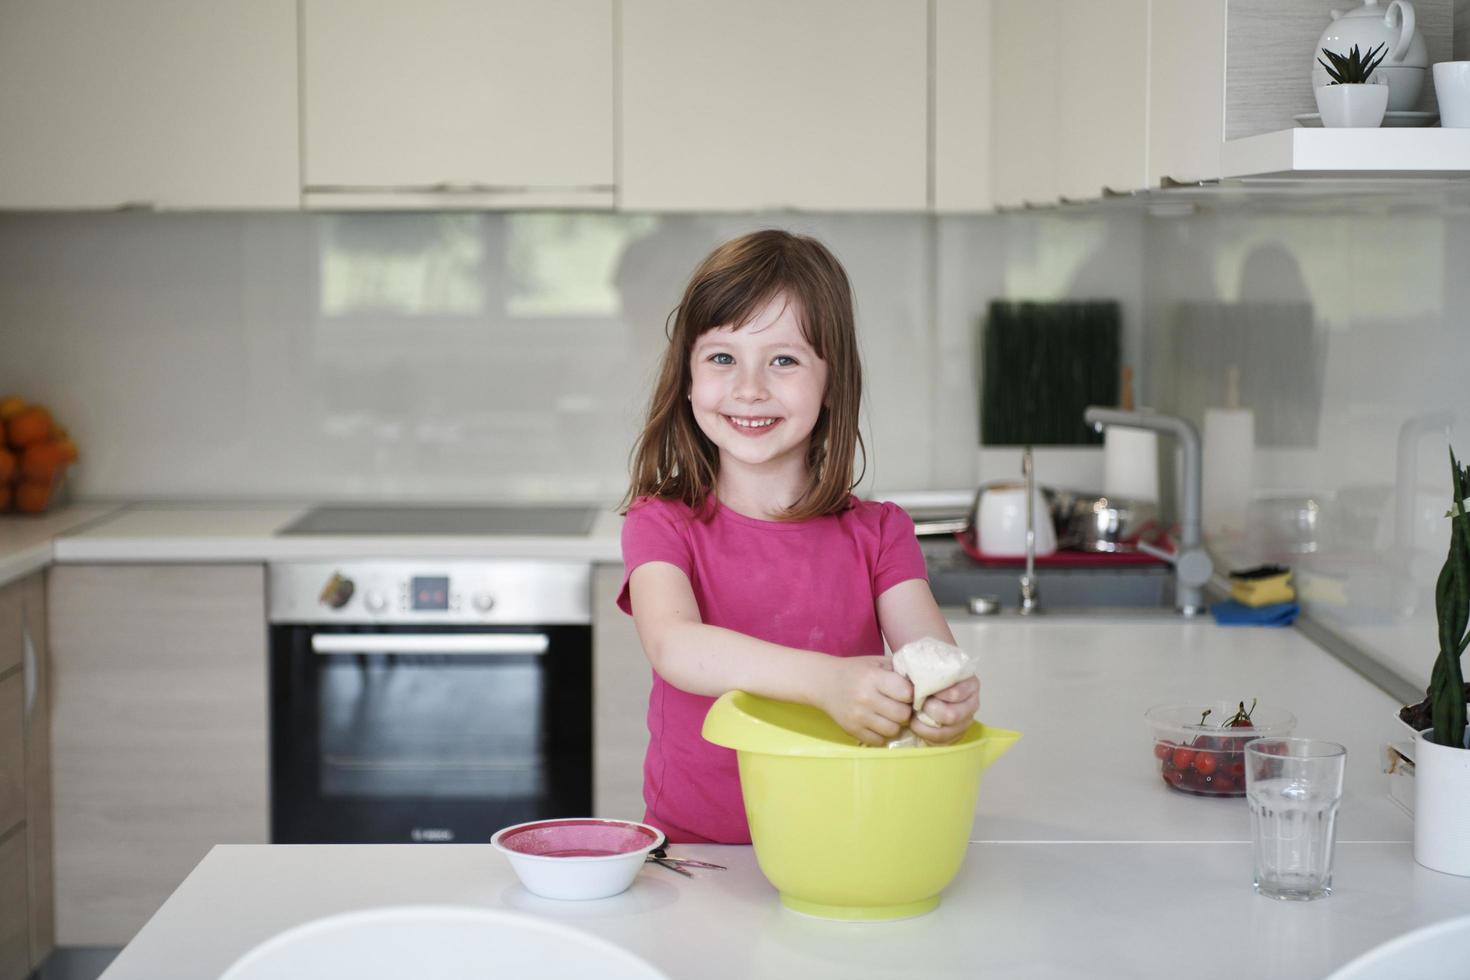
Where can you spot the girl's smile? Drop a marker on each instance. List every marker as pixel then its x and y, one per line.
pixel 751 426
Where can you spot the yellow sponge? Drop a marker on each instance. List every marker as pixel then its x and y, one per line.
pixel 1264 586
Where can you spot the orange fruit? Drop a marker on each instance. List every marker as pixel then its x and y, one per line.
pixel 32 498
pixel 7 466
pixel 29 425
pixel 5 496
pixel 42 462
pixel 9 405
pixel 68 450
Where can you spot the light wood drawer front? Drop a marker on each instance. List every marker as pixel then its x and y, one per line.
pixel 15 954
pixel 12 752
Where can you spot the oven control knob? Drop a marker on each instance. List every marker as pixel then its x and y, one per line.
pixel 375 602
pixel 484 602
pixel 337 591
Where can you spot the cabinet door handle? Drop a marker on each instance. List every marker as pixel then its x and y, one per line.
pixel 29 661
pixel 507 644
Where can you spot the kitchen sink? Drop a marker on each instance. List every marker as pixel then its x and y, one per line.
pixel 956 579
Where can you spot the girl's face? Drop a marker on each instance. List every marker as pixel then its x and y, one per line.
pixel 757 391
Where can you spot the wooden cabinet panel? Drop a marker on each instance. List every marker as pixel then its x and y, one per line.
pixel 621 678
pixel 159 734
pixel 12 752
pixel 497 96
pixel 768 104
pixel 15 961
pixel 38 767
pixel 162 102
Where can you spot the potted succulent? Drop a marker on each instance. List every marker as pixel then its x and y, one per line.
pixel 1441 755
pixel 1352 98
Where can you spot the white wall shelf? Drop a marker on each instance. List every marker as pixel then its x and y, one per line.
pixel 1393 154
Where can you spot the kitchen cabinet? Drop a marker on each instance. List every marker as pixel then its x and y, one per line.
pixel 774 105
pixel 962 95
pixel 1024 63
pixel 25 796
pixel 1101 120
pixel 153 103
pixel 1070 99
pixel 621 679
pixel 1186 90
pixel 498 104
pixel 159 733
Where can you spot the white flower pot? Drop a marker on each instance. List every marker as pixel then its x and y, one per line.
pixel 1441 800
pixel 1352 106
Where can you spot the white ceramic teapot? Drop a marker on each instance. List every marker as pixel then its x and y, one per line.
pixel 1407 59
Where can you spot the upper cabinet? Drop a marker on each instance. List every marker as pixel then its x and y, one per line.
pixel 768 104
pixel 441 103
pixel 1070 100
pixel 961 148
pixel 1023 56
pixel 1186 90
pixel 1101 71
pixel 151 103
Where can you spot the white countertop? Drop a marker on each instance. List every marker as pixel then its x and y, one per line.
pixel 1082 863
pixel 1015 910
pixel 27 541
pixel 232 533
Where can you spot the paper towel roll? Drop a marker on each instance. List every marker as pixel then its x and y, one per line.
pixel 1230 452
pixel 1131 464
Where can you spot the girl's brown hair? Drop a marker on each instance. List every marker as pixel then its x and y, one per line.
pixel 673 458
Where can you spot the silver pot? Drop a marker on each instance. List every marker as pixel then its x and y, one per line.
pixel 1103 524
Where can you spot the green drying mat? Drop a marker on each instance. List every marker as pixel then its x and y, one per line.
pixel 1042 364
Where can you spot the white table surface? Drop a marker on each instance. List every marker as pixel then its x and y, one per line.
pixel 1015 910
pixel 1082 862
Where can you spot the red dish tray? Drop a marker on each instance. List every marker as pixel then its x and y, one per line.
pixel 1057 559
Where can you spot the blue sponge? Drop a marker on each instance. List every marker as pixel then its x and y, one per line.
pixel 1232 613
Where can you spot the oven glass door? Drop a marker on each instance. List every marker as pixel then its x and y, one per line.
pixel 445 734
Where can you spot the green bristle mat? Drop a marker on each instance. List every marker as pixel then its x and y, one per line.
pixel 1043 364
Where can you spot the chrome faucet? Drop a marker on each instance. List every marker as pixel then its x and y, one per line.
pixel 1192 565
pixel 1029 596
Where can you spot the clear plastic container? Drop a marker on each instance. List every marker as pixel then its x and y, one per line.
pixel 1202 753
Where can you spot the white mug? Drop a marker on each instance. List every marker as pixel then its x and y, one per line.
pixel 1002 530
pixel 1452 90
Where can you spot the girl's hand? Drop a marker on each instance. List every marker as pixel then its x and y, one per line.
pixel 866 698
pixel 951 710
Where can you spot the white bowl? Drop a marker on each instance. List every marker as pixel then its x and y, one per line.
pixel 443 942
pixel 1436 950
pixel 577 858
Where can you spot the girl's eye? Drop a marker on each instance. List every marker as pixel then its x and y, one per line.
pixel 722 359
pixel 784 360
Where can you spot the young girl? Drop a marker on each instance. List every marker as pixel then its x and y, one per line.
pixel 749 564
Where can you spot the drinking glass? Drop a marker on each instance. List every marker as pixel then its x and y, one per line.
pixel 1294 786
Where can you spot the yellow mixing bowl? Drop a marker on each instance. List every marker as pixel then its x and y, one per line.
pixel 845 831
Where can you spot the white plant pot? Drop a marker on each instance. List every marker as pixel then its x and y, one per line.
pixel 1352 106
pixel 1441 798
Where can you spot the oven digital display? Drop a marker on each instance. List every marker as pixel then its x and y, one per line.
pixel 430 592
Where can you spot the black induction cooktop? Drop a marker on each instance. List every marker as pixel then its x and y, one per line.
pixel 433 520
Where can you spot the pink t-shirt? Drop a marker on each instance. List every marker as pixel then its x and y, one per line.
pixel 810 585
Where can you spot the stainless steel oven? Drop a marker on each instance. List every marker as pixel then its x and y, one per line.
pixel 427 700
